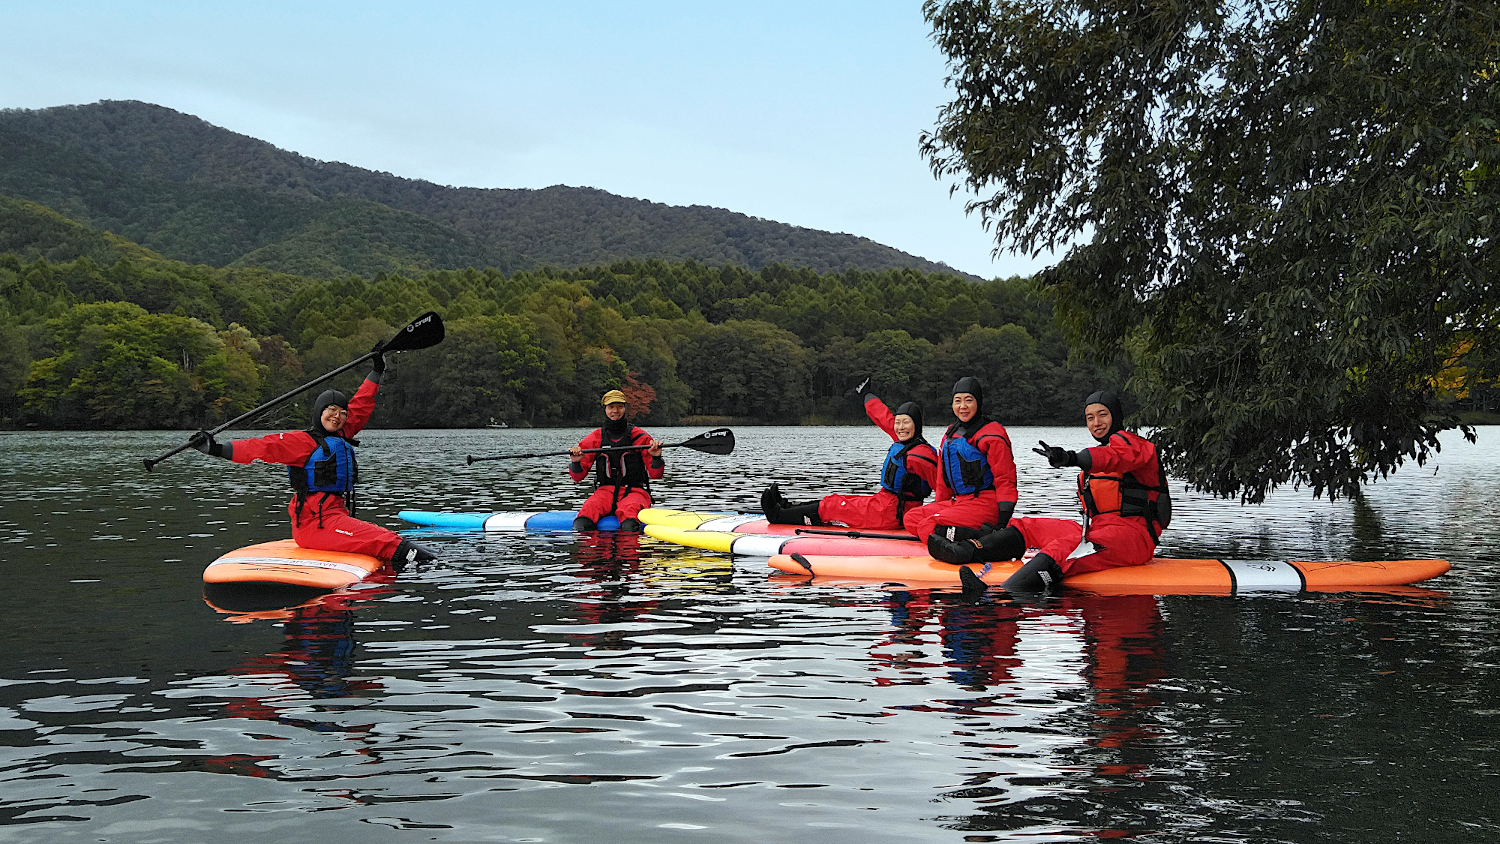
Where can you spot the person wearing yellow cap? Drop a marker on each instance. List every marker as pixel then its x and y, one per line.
pixel 622 479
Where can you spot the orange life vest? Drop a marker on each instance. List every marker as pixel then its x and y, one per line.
pixel 1127 496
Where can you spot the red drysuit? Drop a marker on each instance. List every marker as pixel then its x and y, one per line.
pixel 883 510
pixel 980 508
pixel 324 523
pixel 1118 540
pixel 622 477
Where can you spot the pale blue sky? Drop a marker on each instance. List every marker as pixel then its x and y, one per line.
pixel 804 113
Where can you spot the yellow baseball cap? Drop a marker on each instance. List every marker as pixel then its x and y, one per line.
pixel 613 396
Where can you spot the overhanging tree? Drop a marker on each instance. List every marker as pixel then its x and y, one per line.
pixel 1284 213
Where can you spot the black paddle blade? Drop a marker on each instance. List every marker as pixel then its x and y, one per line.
pixel 717 441
pixel 422 332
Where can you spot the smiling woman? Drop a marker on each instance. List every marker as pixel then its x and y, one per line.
pixel 323 472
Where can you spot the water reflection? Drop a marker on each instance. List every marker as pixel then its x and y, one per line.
pixel 1083 666
pixel 608 687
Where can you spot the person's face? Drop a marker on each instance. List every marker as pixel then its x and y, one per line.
pixel 965 406
pixel 615 411
pixel 1098 419
pixel 333 417
pixel 905 427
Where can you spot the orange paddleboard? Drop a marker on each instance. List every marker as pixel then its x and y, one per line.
pixel 284 562
pixel 1160 576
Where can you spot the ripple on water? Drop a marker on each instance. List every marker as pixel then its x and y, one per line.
pixel 558 688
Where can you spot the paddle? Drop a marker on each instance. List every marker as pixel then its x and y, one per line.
pixel 717 441
pixel 857 534
pixel 422 332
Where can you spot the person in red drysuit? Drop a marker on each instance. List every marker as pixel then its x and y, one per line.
pixel 622 478
pixel 908 476
pixel 1124 496
pixel 977 488
pixel 323 473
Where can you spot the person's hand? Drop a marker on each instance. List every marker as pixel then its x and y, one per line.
pixel 377 363
pixel 655 448
pixel 1057 457
pixel 204 442
pixel 575 454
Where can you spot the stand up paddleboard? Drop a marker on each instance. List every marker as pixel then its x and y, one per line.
pixel 500 521
pixel 741 523
pixel 764 545
pixel 284 563
pixel 1158 577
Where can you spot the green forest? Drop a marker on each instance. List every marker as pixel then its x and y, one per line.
pixel 99 332
pixel 203 194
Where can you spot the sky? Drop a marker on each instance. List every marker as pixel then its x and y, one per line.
pixel 805 113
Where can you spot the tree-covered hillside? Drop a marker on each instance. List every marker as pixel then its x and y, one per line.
pixel 198 193
pixel 96 332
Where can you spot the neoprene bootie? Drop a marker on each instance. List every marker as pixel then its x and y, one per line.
pixel 954 533
pixel 1003 544
pixel 771 503
pixel 581 523
pixel 1040 574
pixel 949 551
pixel 799 514
pixel 632 525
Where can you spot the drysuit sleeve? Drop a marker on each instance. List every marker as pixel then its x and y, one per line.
pixel 881 416
pixel 360 408
pixel 291 449
pixel 655 466
pixel 1002 463
pixel 580 470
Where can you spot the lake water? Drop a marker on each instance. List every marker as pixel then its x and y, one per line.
pixel 561 688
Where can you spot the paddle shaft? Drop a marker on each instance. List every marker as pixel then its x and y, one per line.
pixel 473 459
pixel 281 399
pixel 426 330
pixel 717 441
pixel 857 534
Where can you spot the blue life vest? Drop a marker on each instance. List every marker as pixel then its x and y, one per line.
pixel 896 479
pixel 330 468
pixel 966 470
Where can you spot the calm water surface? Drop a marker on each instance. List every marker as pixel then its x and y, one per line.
pixel 562 688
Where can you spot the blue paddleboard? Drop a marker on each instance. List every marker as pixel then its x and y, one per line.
pixel 503 521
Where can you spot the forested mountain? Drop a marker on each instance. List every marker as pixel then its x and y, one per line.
pixel 202 194
pixel 98 332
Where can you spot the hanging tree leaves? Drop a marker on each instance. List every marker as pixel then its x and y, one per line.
pixel 1283 213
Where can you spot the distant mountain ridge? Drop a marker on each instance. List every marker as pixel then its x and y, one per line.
pixel 200 193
